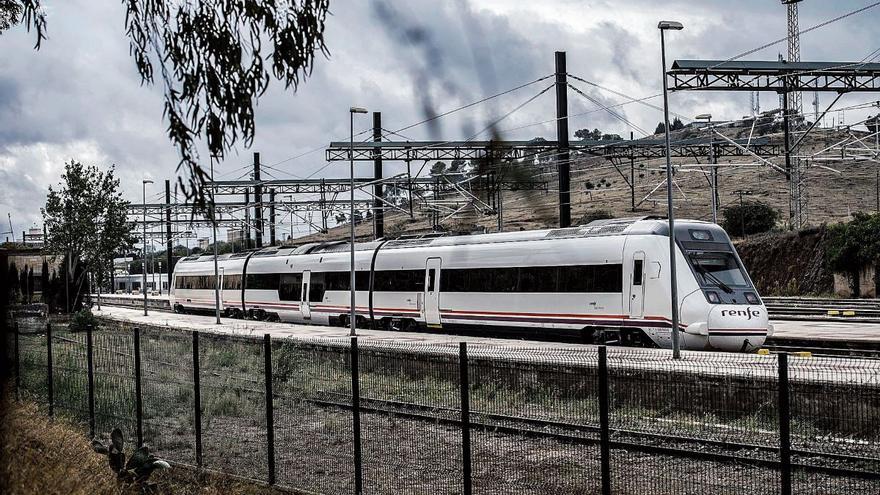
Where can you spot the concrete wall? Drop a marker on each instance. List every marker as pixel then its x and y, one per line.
pixel 843 285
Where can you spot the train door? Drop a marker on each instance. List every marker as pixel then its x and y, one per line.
pixel 304 296
pixel 637 285
pixel 432 292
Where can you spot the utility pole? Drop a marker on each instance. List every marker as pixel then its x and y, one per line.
pixel 272 217
pixel 742 217
pixel 258 202
pixel 169 247
pixel 378 212
pixel 562 156
pixel 632 175
pixel 247 219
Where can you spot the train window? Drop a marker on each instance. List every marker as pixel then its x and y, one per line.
pixel 432 277
pixel 637 272
pixel 290 288
pixel 262 281
pixel 399 281
pixel 701 235
pixel 537 279
pixel 231 282
pixel 607 278
pixel 341 280
pixel 316 287
pixel 575 278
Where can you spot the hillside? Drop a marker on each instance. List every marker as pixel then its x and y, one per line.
pixel 835 189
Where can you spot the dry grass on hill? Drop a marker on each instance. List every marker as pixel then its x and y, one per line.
pixel 43 456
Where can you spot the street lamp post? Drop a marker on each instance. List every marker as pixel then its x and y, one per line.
pixel 664 26
pixel 290 206
pixel 713 166
pixel 216 269
pixel 144 266
pixel 351 112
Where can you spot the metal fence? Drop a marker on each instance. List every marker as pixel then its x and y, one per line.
pixel 342 416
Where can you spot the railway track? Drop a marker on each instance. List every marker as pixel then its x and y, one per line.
pixel 646 442
pixel 823 309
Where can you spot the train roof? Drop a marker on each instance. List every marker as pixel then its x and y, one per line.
pixel 646 225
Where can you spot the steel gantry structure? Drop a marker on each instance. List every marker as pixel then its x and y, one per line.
pixel 499 153
pixel 784 78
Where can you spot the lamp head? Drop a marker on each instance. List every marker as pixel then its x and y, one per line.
pixel 670 26
pixel 147 181
pixel 357 110
pixel 704 116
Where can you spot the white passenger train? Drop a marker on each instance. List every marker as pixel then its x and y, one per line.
pixel 607 282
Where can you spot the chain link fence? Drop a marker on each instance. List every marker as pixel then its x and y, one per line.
pixel 342 416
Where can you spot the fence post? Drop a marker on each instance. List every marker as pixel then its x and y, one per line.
pixel 17 361
pixel 784 426
pixel 138 394
pixel 270 405
pixel 464 381
pixel 50 381
pixel 604 448
pixel 356 417
pixel 90 352
pixel 197 397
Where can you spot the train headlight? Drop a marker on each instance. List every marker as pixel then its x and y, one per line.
pixel 713 297
pixel 752 298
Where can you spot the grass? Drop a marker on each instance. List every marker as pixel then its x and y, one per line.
pixel 233 389
pixel 41 455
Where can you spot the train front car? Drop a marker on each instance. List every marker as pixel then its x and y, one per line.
pixel 720 307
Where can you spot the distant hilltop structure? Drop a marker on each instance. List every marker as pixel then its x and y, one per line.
pixel 873 123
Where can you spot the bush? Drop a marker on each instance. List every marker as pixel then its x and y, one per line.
pixel 595 215
pixel 854 245
pixel 82 320
pixel 752 217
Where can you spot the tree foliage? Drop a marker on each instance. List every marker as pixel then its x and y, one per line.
pixel 215 59
pixel 27 12
pixel 214 66
pixel 85 218
pixel 854 245
pixel 596 135
pixel 676 125
pixel 753 217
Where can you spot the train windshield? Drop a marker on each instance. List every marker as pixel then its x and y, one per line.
pixel 718 269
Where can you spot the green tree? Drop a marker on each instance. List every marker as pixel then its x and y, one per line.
pixel 660 129
pixel 753 217
pixel 85 219
pixel 677 124
pixel 854 245
pixel 215 59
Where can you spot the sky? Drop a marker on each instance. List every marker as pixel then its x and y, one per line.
pixel 80 96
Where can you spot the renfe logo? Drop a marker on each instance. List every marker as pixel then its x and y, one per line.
pixel 748 313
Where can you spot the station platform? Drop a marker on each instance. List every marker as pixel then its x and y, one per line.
pixel 746 366
pixel 822 333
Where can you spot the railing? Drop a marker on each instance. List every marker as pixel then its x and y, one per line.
pixel 341 416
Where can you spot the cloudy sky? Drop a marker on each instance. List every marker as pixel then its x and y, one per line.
pixel 80 97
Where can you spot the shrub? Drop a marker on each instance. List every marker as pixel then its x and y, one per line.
pixel 595 215
pixel 83 319
pixel 752 217
pixel 855 244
